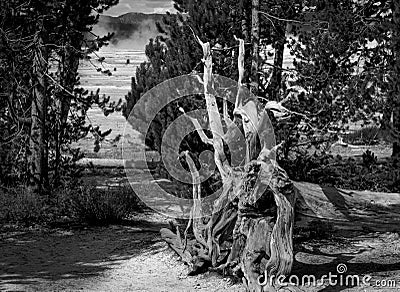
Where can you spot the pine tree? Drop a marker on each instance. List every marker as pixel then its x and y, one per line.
pixel 52 32
pixel 177 53
pixel 395 93
pixel 342 53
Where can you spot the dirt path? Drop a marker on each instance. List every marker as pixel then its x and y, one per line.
pixel 115 258
pixel 133 258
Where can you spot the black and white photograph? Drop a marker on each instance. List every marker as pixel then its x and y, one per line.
pixel 200 145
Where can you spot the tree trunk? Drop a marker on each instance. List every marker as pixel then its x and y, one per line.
pixel 336 210
pixel 244 24
pixel 396 85
pixel 69 65
pixel 396 129
pixel 38 160
pixel 276 79
pixel 249 237
pixel 255 40
pixel 249 232
pixel 246 32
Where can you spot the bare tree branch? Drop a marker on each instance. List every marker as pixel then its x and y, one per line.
pixel 213 113
pixel 198 128
pixel 197 213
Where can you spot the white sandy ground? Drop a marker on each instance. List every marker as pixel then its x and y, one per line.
pixel 133 258
pixel 116 258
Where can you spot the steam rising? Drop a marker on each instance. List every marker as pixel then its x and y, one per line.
pixel 129 34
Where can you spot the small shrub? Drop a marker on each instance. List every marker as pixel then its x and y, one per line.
pixel 21 205
pixel 102 207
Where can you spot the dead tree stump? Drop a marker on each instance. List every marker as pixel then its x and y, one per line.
pixel 249 234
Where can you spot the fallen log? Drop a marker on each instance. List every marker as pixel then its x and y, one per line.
pixel 346 210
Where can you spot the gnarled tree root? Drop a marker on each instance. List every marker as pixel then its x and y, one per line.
pixel 252 235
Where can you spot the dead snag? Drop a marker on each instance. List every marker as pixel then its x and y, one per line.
pixel 249 234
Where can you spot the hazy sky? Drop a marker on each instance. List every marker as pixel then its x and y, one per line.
pixel 144 6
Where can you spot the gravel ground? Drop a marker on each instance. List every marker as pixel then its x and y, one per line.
pixel 133 258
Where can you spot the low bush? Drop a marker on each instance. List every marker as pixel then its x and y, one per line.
pixel 19 206
pixel 23 207
pixel 102 206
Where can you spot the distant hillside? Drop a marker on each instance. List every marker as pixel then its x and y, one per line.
pixel 130 18
pixel 131 30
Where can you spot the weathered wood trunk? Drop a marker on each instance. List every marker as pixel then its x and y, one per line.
pixel 249 229
pixel 250 237
pixel 344 210
pixel 249 232
pixel 38 161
